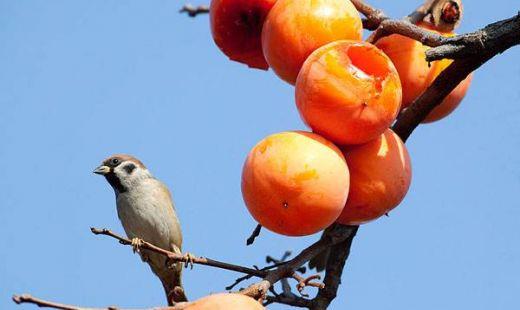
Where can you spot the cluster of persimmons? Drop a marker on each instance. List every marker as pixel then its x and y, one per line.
pixel 352 168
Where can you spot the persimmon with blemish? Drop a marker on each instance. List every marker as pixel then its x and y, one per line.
pixel 417 74
pixel 348 91
pixel 227 301
pixel 295 28
pixel 295 183
pixel 380 175
pixel 236 26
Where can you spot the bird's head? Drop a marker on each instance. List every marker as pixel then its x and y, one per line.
pixel 123 172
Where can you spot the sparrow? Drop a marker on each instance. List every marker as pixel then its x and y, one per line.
pixel 147 212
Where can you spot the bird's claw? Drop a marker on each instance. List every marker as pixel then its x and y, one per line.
pixel 189 260
pixel 136 245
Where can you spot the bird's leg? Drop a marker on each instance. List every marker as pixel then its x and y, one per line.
pixel 188 260
pixel 136 245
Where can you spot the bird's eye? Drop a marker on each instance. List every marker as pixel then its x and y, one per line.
pixel 115 161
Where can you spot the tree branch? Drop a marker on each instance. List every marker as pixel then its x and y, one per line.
pixel 337 234
pixel 28 299
pixel 193 11
pixel 254 234
pixel 496 36
pixel 335 264
pixel 492 39
pixel 187 259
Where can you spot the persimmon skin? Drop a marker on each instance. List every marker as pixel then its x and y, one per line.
pixel 236 26
pixel 349 92
pixel 295 28
pixel 380 176
pixel 225 301
pixel 417 75
pixel 452 101
pixel 295 183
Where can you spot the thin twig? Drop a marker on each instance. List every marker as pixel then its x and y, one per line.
pixel 333 236
pixel 193 11
pixel 41 303
pixel 254 234
pixel 175 257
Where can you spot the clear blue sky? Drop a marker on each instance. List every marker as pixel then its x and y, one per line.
pixel 80 80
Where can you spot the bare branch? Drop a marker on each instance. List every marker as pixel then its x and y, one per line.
pixel 377 20
pixel 492 39
pixel 255 234
pixel 502 39
pixel 175 257
pixel 335 264
pixel 374 17
pixel 193 11
pixel 337 234
pixel 28 299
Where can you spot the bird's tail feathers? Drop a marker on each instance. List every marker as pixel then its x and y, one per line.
pixel 170 276
pixel 172 283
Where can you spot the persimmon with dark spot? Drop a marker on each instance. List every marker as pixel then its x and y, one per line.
pixel 348 91
pixel 295 183
pixel 380 175
pixel 295 28
pixel 236 26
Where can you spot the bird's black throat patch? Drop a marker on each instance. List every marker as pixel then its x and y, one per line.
pixel 115 182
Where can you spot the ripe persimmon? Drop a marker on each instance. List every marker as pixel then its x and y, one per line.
pixel 417 74
pixel 380 175
pixel 295 183
pixel 295 28
pixel 225 301
pixel 348 92
pixel 236 26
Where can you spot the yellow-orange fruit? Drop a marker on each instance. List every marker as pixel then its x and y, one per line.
pixel 295 28
pixel 225 302
pixel 295 183
pixel 416 74
pixel 348 91
pixel 380 175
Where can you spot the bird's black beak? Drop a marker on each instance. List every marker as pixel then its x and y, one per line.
pixel 102 170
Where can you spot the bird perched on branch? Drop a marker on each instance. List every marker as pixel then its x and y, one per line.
pixel 145 208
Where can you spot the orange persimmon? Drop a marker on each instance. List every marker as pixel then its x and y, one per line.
pixel 416 74
pixel 225 301
pixel 295 28
pixel 295 183
pixel 380 175
pixel 348 92
pixel 236 26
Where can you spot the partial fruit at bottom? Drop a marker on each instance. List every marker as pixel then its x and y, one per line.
pixel 225 301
